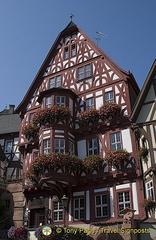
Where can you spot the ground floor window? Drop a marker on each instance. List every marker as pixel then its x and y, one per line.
pixel 101 207
pixel 57 211
pixel 150 190
pixel 123 200
pixel 78 209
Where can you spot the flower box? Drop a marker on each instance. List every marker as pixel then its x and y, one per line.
pixel 88 117
pixel 31 131
pixel 109 110
pixel 19 233
pixel 92 162
pixel 51 115
pixel 117 157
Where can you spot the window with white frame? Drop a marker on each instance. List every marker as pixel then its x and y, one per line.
pixel 79 209
pixel 149 189
pixel 8 146
pixel 115 141
pixel 60 101
pixel 93 146
pixel 109 97
pixel 101 206
pixel 84 72
pixel 31 115
pixel 123 200
pixel 55 82
pixel 48 102
pixel 73 50
pixel 59 145
pixel 66 53
pixel 57 211
pixel 71 148
pixel 46 146
pixel 89 103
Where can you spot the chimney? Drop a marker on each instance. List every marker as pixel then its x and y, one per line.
pixel 11 109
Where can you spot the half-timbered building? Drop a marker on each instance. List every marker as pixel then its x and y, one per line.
pixel 11 195
pixel 144 125
pixel 76 112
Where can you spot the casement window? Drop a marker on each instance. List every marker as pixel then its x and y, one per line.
pixel 101 206
pixel 109 97
pixel 123 200
pixel 48 102
pixel 92 146
pixel 89 103
pixel 60 101
pixel 55 82
pixel 59 145
pixel 84 72
pixel 8 146
pixel 57 211
pixel 46 146
pixel 149 189
pixel 115 141
pixel 71 148
pixel 79 209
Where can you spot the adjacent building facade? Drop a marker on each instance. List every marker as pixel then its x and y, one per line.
pixel 144 125
pixel 57 118
pixel 10 169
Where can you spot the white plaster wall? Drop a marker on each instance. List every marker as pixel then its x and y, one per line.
pixel 81 145
pixel 135 198
pixel 126 140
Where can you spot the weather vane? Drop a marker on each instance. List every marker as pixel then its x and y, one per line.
pixel 71 17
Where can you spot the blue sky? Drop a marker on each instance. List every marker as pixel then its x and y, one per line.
pixel 29 27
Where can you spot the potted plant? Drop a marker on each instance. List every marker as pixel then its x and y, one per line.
pixel 149 204
pixel 143 152
pixel 117 157
pixel 88 117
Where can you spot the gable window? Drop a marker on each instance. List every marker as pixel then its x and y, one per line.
pixel 66 53
pixel 31 115
pixel 48 102
pixel 73 50
pixel 89 103
pixel 92 146
pixel 109 97
pixel 57 211
pixel 8 146
pixel 78 209
pixel 150 190
pixel 59 145
pixel 115 141
pixel 101 206
pixel 60 101
pixel 46 146
pixel 84 72
pixel 55 82
pixel 123 200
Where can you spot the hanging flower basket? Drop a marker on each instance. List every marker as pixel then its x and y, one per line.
pixel 88 116
pixel 53 161
pixel 31 131
pixel 143 152
pixel 108 111
pixel 19 233
pixel 149 204
pixel 117 157
pixel 92 162
pixel 51 115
